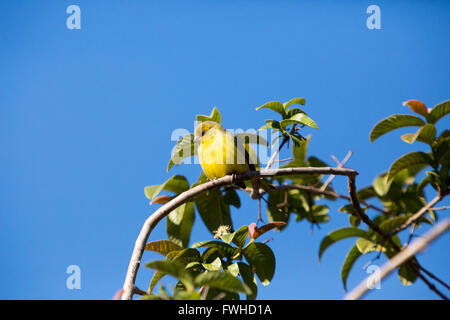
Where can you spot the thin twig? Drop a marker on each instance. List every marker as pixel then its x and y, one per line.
pixel 325 193
pixel 275 154
pixel 402 257
pixel 417 215
pixel 139 291
pixel 428 273
pixel 284 160
pixel 339 165
pixel 441 208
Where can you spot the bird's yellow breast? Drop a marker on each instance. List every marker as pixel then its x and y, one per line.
pixel 219 156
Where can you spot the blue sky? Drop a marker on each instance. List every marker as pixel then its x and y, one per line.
pixel 87 115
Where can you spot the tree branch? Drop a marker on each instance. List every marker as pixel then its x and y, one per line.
pixel 274 155
pixel 325 193
pixel 417 215
pixel 188 195
pixel 402 257
pixel 340 164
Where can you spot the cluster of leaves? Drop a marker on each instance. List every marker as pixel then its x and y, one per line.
pixel 291 119
pixel 220 267
pixel 285 202
pixel 397 190
pixel 223 269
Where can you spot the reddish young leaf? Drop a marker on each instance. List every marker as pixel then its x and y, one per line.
pixel 417 106
pixel 161 199
pixel 255 232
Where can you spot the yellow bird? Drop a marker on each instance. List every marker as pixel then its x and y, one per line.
pixel 221 153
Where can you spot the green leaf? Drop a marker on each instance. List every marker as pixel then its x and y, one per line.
pixel 408 160
pixel 275 106
pixel 292 111
pixel 240 236
pixel 249 279
pixel 155 279
pixel 301 101
pixel 232 198
pixel 184 148
pixel 365 246
pixel 443 150
pixel 185 256
pixel 224 248
pixel 394 122
pixel 276 213
pixel 221 280
pixel 348 208
pixel 381 184
pixel 176 184
pixel 354 221
pixel 162 246
pixel 426 134
pixel 439 111
pixel 408 175
pixel 213 210
pixel 261 257
pixel 319 213
pixel 316 162
pixel 174 269
pixel 180 222
pixel 295 139
pixel 366 193
pixel 271 124
pixel 299 152
pixel 226 237
pixel 233 269
pixel 194 265
pixel 216 265
pixel 299 118
pixel 409 137
pixel 214 116
pixel 350 260
pixel 340 234
pixel 407 275
pixel 391 224
pixel 186 295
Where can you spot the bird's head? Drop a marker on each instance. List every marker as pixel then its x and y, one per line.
pixel 204 127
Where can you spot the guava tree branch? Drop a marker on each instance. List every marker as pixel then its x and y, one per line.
pixel 418 214
pixel 402 257
pixel 323 192
pixel 163 211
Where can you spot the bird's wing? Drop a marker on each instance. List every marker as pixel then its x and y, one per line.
pixel 243 153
